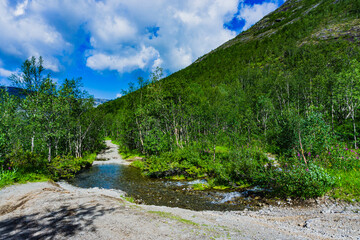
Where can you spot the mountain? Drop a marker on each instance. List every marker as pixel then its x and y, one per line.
pixel 19 92
pixel 99 101
pixel 14 91
pixel 291 70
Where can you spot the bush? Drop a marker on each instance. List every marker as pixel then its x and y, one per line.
pixel 67 166
pixel 26 161
pixel 7 176
pixel 184 161
pixel 138 164
pixel 242 165
pixel 301 181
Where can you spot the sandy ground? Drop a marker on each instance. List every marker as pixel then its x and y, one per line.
pixel 60 211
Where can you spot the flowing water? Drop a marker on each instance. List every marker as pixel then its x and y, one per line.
pixel 158 191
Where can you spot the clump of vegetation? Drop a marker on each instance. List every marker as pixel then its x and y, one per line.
pixel 347 186
pixel 47 133
pixel 304 181
pixel 66 167
pixel 7 176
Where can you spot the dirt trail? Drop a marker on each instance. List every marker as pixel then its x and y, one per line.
pixel 60 211
pixel 110 155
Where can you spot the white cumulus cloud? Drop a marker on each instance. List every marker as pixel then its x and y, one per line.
pixel 136 60
pixel 5 73
pixel 20 8
pixel 252 14
pixel 26 34
pixel 121 35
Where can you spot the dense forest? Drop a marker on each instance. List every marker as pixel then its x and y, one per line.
pixel 275 107
pixel 47 131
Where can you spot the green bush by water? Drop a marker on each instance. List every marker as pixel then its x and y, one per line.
pixel 21 167
pixel 304 181
pixel 66 167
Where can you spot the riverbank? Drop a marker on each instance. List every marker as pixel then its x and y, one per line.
pixel 61 211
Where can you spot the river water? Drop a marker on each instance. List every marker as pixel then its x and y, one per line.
pixel 160 192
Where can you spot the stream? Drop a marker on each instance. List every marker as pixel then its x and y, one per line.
pixel 163 192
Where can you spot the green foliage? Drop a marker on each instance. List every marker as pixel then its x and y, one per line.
pixel 340 157
pixel 67 166
pixel 138 164
pixel 242 165
pixel 303 181
pixel 126 153
pixel 200 186
pixel 7 176
pixel 180 162
pixel 11 175
pixel 44 123
pixel 316 133
pixel 26 161
pixel 348 184
pixel 130 199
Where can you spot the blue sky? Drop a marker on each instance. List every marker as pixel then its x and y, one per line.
pixel 112 42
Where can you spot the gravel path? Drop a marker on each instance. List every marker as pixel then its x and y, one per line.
pixel 60 211
pixel 110 155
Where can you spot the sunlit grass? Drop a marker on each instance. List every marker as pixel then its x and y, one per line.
pixel 11 176
pixel 348 186
pixel 174 217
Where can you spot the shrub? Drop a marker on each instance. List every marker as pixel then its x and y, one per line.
pixel 184 161
pixel 67 166
pixel 301 181
pixel 242 165
pixel 7 176
pixel 138 164
pixel 26 161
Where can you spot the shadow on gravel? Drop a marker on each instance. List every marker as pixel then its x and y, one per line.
pixel 65 222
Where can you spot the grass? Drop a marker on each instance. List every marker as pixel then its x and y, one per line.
pixel 130 154
pixel 201 186
pixel 221 187
pixel 138 164
pixel 9 177
pixel 222 149
pixel 348 186
pixel 174 217
pixel 130 199
pixel 60 167
pixel 177 178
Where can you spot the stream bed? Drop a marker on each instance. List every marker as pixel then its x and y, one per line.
pixel 163 192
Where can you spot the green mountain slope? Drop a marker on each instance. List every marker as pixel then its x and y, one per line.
pixel 290 85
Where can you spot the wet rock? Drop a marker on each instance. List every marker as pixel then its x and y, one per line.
pixel 309 223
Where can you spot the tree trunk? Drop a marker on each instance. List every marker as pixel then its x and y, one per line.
pixel 32 143
pixel 49 154
pixel 302 149
pixel 354 126
pixel 140 136
pixel 214 153
pixel 332 116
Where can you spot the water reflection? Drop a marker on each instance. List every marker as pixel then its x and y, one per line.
pixel 157 191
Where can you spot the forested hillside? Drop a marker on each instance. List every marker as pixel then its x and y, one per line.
pixel 288 87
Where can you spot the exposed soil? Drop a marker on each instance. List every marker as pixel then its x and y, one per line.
pixel 61 211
